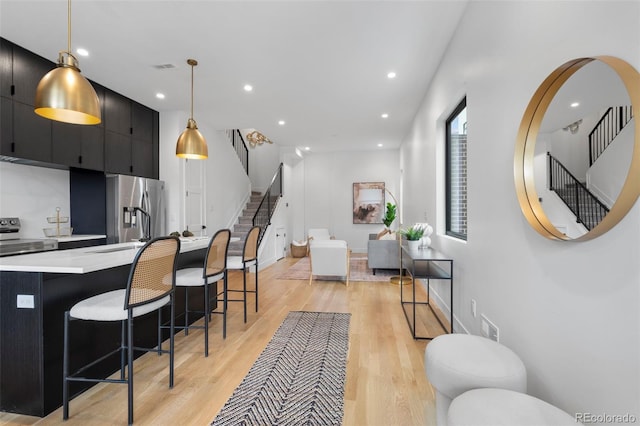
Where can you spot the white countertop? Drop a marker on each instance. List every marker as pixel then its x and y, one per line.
pixel 87 259
pixel 77 238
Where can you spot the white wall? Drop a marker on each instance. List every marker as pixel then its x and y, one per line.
pixel 227 185
pixel 328 191
pixel 263 163
pixel 32 194
pixel 570 310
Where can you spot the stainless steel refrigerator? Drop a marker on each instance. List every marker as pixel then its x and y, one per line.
pixel 135 209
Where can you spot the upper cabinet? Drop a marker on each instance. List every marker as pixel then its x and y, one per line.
pixel 25 134
pixel 131 137
pixel 80 146
pixel 126 142
pixel 6 73
pixel 28 70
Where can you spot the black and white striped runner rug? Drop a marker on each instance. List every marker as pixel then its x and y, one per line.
pixel 298 379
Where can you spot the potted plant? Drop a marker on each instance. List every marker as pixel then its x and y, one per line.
pixel 413 235
pixel 389 217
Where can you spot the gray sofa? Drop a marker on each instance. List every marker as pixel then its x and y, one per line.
pixel 382 254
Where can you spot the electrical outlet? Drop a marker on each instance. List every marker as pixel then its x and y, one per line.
pixel 25 301
pixel 473 307
pixel 489 329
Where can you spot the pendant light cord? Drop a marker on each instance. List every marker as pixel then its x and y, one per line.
pixel 192 91
pixel 69 26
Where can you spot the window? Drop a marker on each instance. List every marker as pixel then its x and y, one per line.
pixel 456 126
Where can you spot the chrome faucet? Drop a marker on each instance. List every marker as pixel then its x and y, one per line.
pixel 146 236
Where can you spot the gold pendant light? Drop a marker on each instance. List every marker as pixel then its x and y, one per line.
pixel 191 144
pixel 64 94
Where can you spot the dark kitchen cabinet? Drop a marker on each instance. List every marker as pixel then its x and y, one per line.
pixel 130 137
pixel 126 142
pixel 28 70
pixel 6 125
pixel 78 145
pixel 117 153
pixel 31 134
pixel 24 133
pixel 6 73
pixel 117 113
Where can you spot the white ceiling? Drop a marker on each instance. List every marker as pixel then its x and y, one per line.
pixel 319 65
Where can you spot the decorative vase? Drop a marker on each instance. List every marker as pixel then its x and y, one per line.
pixel 413 244
pixel 425 242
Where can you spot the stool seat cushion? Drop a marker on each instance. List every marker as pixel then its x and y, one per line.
pixel 192 277
pixel 110 307
pixel 502 407
pixel 456 363
pixel 235 262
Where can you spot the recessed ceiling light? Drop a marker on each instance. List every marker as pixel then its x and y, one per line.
pixel 575 104
pixel 306 148
pixel 391 74
pixel 385 115
pixel 379 145
pixel 160 95
pixel 281 122
pixel 248 88
pixel 82 52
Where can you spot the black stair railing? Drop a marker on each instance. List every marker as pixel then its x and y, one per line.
pixel 609 126
pixel 240 146
pixel 587 208
pixel 262 217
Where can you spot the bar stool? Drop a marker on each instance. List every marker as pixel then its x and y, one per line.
pixel 213 270
pixel 150 286
pixel 242 263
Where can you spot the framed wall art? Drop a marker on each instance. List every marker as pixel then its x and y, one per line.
pixel 368 202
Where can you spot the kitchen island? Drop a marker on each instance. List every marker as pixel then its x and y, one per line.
pixel 36 290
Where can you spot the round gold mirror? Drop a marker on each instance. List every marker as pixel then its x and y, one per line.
pixel 577 157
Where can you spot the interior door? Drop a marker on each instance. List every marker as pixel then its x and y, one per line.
pixel 280 243
pixel 195 217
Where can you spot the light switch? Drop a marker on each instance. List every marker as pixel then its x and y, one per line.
pixel 25 301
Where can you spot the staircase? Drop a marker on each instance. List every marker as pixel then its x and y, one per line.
pixel 244 224
pixel 587 208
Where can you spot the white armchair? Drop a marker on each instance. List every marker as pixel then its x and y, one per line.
pixel 329 258
pixel 318 234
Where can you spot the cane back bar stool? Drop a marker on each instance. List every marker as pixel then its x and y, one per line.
pixel 214 270
pixel 150 286
pixel 243 263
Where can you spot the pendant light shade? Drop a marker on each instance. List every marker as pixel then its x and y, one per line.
pixel 64 94
pixel 191 144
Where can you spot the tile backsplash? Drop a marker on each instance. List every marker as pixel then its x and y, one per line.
pixel 32 193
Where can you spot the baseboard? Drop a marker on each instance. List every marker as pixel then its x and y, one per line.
pixel 458 327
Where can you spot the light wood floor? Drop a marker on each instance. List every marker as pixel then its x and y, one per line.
pixel 386 383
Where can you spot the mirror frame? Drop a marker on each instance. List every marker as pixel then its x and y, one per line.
pixel 523 164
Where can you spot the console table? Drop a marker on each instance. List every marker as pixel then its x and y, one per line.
pixel 427 264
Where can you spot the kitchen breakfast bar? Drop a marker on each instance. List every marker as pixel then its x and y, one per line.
pixel 36 290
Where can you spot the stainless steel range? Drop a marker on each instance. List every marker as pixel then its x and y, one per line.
pixel 11 243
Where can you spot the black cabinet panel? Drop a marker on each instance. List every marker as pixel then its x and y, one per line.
pixel 28 70
pixel 156 145
pixel 31 134
pixel 78 146
pixel 141 122
pixel 117 113
pixel 142 157
pixel 117 153
pixel 6 74
pixel 6 126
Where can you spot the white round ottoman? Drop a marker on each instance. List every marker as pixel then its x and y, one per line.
pixel 456 363
pixel 502 407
